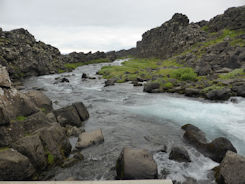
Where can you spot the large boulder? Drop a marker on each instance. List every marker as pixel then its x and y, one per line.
pixel 217 148
pixel 73 115
pixel 31 147
pixel 87 139
pixel 14 166
pixel 194 135
pixel 55 143
pixel 151 86
pixel 179 154
pixel 4 78
pixel 40 100
pixel 219 94
pixel 82 110
pixel 231 169
pixel 22 126
pixel 136 164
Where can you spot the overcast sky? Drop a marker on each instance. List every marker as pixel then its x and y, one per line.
pixel 91 25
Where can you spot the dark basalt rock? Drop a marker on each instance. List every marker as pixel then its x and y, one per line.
pixel 215 150
pixel 218 148
pixel 14 166
pixel 179 154
pixel 231 169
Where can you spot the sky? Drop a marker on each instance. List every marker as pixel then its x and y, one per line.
pixel 104 25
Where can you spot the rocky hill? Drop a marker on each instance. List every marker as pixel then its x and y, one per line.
pixel 204 59
pixel 24 56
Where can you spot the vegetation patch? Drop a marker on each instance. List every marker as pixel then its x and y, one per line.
pixel 237 73
pixel 213 87
pixel 21 118
pixel 50 159
pixel 4 148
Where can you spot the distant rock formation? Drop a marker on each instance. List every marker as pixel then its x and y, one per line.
pixel 24 56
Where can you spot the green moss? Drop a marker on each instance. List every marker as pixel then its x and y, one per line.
pixel 73 66
pixel 61 71
pixel 205 28
pixel 21 118
pixel 3 148
pixel 168 85
pixel 44 110
pixel 237 73
pixel 50 159
pixel 213 87
pixel 238 42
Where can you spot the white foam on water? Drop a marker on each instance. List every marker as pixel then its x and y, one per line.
pixel 199 168
pixel 215 119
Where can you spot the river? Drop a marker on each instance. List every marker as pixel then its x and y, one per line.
pixel 130 117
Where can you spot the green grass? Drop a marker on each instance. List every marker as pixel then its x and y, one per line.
pixel 168 85
pixel 147 69
pixel 73 66
pixel 4 148
pixel 237 73
pixel 213 87
pixel 21 118
pixel 50 159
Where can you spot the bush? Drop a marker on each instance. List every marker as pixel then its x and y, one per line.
pixel 184 74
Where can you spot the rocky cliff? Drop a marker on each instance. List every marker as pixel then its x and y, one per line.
pixel 178 35
pixel 24 56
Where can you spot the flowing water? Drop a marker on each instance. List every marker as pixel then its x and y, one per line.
pixel 129 117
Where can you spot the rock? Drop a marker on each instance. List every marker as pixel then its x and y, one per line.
pixel 20 128
pixel 136 83
pixel 51 117
pixel 64 80
pixel 219 94
pixel 32 148
pixel 87 139
pixel 55 143
pixel 150 86
pixel 14 103
pixel 231 169
pixel 84 76
pixel 136 164
pixel 4 78
pixel 14 166
pixel 82 110
pixel 40 100
pixel 72 115
pixel 179 154
pixel 110 82
pixel 194 135
pixel 239 89
pixel 217 148
pixel 72 161
pixel 73 131
pixel 192 92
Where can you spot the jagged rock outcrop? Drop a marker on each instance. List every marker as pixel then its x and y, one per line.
pixel 31 138
pixel 172 37
pixel 24 56
pixel 233 18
